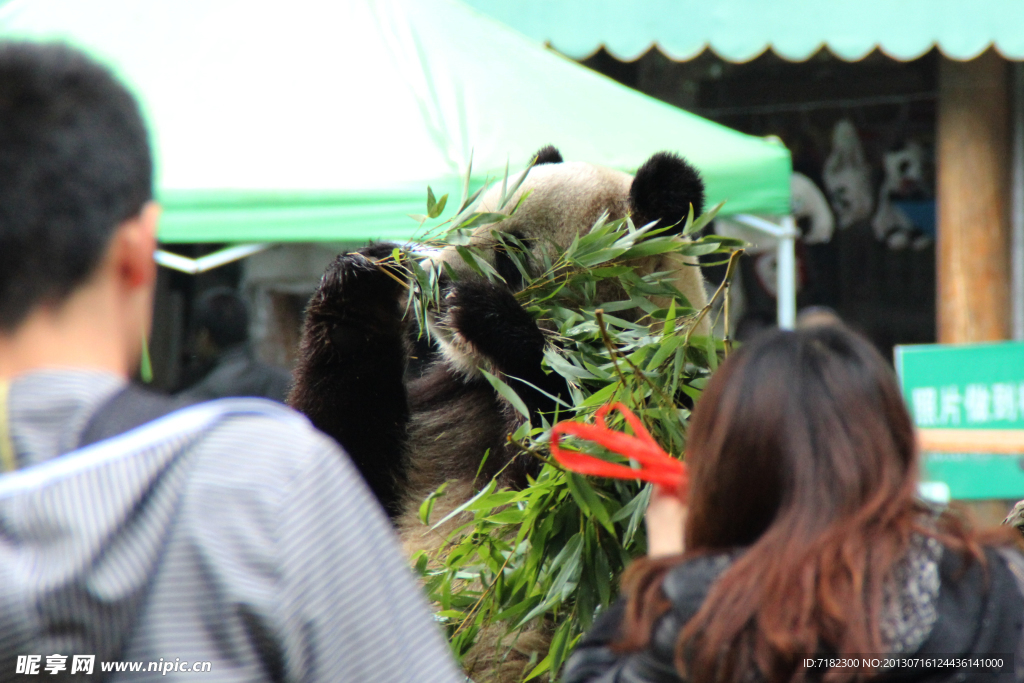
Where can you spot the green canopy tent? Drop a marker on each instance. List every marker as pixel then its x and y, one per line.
pixel 325 120
pixel 740 30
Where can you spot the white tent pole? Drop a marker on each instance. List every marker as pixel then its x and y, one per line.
pixel 208 262
pixel 786 274
pixel 1017 205
pixel 761 224
pixel 785 262
pixel 175 261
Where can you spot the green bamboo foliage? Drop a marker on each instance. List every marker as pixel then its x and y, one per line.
pixel 551 555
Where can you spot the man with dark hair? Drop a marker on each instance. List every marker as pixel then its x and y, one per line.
pixel 69 176
pixel 228 537
pixel 221 340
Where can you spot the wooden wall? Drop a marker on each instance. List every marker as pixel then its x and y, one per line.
pixel 973 256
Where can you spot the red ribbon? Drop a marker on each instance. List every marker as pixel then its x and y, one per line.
pixel 656 465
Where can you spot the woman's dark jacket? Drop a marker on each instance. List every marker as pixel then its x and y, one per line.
pixel 945 606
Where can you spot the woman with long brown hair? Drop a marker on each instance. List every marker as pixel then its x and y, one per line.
pixel 805 541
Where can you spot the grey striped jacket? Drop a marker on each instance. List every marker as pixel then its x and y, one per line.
pixel 230 532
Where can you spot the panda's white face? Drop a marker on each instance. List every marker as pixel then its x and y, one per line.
pixel 565 200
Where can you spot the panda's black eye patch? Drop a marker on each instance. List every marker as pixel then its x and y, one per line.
pixel 506 253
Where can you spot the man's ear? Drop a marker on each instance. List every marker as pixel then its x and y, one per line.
pixel 136 239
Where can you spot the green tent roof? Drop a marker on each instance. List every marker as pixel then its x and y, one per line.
pixel 325 120
pixel 739 30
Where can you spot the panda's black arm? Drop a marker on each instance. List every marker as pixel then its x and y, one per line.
pixel 349 379
pixel 488 316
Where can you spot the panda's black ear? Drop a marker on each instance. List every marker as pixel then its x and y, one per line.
pixel 548 155
pixel 663 190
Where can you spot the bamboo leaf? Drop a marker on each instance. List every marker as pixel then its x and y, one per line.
pixel 493 500
pixel 667 348
pixel 427 506
pixel 511 516
pixel 650 248
pixel 590 503
pixel 462 508
pixel 465 184
pixel 419 562
pixel 600 256
pixel 637 516
pixel 670 321
pixel 700 248
pixel 602 575
pixel 435 207
pixel 507 393
pixel 503 196
pixel 483 219
pixel 712 352
pixel 565 368
pixel 706 217
pixel 601 396
pixel 145 363
pixel 515 188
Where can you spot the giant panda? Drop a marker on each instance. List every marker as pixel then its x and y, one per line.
pixel 410 427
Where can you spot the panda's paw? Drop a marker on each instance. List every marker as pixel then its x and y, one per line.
pixel 486 317
pixel 360 298
pixel 358 280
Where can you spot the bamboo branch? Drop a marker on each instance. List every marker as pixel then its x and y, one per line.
pixel 386 271
pixel 726 341
pixel 599 314
pixel 733 260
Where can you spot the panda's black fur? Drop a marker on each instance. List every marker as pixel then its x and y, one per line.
pixel 663 189
pixel 350 380
pixel 548 155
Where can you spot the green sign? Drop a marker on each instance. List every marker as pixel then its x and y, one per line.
pixel 970 386
pixel 967 386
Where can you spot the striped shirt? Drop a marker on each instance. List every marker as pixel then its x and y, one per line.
pixel 230 532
